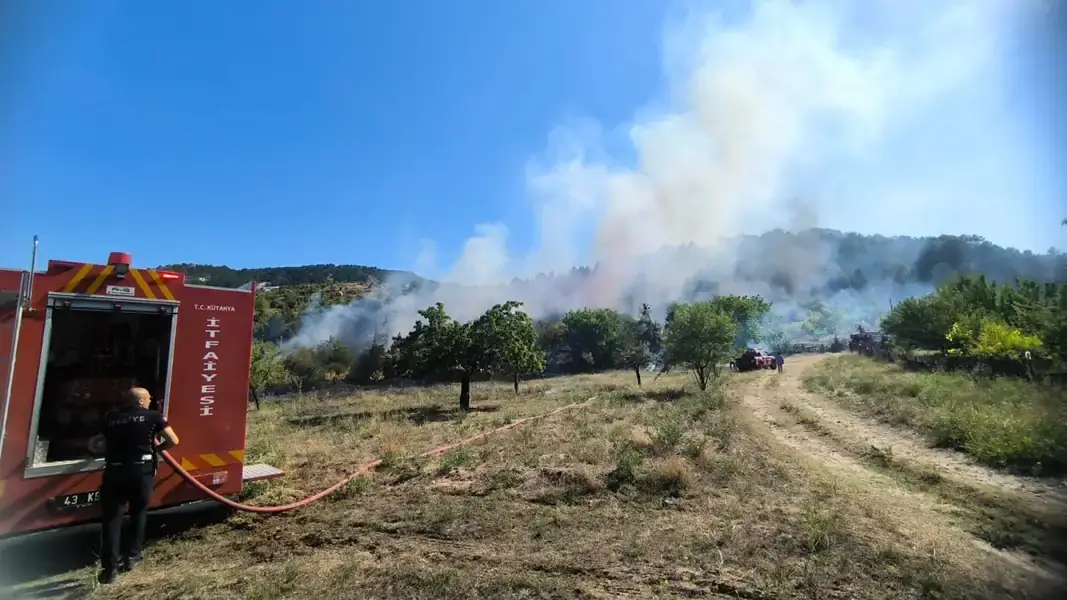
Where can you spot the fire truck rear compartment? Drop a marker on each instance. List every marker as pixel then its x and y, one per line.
pixel 92 357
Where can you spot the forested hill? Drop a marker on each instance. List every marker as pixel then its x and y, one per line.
pixel 845 261
pixel 223 276
pixel 857 258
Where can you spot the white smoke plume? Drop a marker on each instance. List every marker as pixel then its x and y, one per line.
pixel 770 117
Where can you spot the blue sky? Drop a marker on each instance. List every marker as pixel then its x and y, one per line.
pixel 342 132
pixel 337 132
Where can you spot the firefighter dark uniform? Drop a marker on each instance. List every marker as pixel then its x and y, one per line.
pixel 129 477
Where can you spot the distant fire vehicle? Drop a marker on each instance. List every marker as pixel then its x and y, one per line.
pixel 76 335
pixel 753 359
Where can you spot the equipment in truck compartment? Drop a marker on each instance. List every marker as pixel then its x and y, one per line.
pixel 76 413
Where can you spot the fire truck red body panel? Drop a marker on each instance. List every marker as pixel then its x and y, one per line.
pixel 204 396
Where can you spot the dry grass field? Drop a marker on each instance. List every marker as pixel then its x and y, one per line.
pixel 757 489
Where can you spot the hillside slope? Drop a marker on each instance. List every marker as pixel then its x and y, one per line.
pixel 224 276
pixel 786 267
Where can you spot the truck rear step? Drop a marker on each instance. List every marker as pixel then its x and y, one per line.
pixel 260 472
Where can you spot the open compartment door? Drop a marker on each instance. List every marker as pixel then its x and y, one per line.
pixel 213 352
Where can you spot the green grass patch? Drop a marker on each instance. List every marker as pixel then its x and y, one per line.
pixel 1005 423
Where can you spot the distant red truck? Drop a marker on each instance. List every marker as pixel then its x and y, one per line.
pixel 753 359
pixel 75 336
pixel 765 361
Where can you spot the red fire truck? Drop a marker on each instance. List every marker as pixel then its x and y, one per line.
pixel 72 338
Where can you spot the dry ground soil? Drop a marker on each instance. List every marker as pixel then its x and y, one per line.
pixel 756 489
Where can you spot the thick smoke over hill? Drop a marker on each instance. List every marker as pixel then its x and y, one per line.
pixel 859 275
pixel 780 103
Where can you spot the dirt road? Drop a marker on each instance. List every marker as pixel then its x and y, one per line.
pixel 1002 514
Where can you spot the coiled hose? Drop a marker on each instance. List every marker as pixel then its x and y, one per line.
pixel 360 471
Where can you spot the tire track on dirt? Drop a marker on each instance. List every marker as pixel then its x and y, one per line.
pixel 911 445
pixel 769 395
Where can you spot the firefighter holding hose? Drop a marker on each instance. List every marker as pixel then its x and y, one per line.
pixel 131 449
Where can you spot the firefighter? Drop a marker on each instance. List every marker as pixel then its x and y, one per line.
pixel 779 360
pixel 131 449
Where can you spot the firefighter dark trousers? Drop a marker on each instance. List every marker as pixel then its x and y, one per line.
pixel 132 485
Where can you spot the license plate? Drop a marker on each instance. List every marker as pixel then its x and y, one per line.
pixel 79 500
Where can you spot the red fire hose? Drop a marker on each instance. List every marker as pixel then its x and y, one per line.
pixel 362 470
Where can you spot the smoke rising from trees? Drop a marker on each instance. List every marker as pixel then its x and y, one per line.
pixel 772 119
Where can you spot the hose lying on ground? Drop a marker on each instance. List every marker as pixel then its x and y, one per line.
pixel 362 470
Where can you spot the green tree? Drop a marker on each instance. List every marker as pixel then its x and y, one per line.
pixel 551 333
pixel 304 369
pixel 746 312
pixel 268 368
pixel 700 337
pixel 436 347
pixel 591 338
pixel 1054 335
pixel 441 347
pixel 776 341
pixel 369 364
pixel 316 366
pixel 639 340
pixel 960 311
pixel 335 357
pixel 992 338
pixel 823 320
pixel 511 341
pixel 920 323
